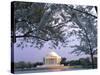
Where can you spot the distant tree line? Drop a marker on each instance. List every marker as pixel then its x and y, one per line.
pixel 84 62
pixel 26 65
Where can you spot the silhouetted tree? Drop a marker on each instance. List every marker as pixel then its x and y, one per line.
pixel 87 32
pixel 63 60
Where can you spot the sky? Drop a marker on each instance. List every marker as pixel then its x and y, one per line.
pixel 31 54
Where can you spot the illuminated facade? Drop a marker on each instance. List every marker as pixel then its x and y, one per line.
pixel 52 59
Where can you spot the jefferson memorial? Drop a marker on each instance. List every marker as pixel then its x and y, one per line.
pixel 52 58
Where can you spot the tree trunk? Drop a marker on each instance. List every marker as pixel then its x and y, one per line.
pixel 92 60
pixel 12 58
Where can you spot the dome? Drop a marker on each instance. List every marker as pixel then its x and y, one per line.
pixel 53 54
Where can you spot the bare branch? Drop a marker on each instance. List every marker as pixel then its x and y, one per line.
pixel 22 36
pixel 83 12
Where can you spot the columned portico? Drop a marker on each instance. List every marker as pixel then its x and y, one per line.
pixel 52 59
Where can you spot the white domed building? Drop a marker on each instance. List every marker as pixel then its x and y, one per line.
pixel 52 58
